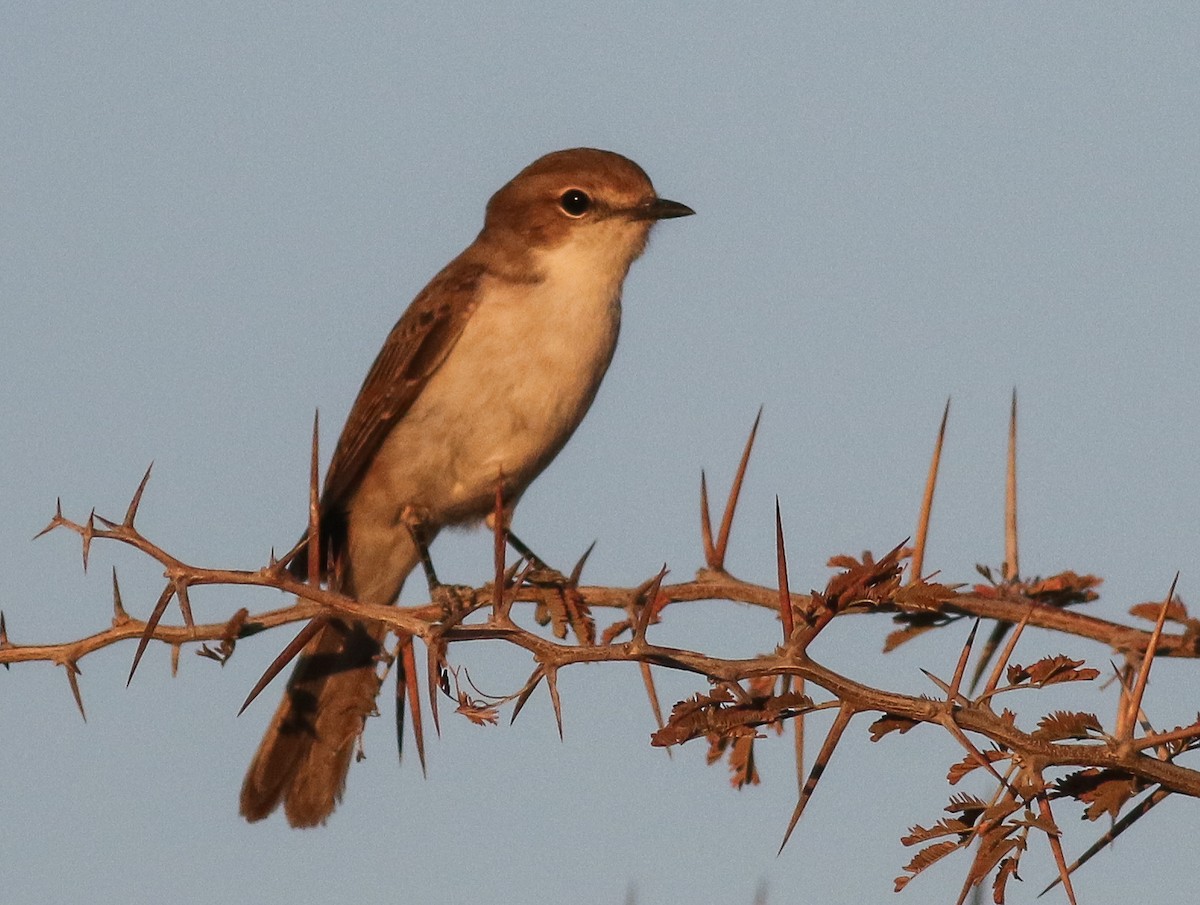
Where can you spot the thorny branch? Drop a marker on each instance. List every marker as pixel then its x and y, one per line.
pixel 1066 756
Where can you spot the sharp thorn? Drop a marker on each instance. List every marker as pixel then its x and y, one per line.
pixel 652 693
pixel 119 615
pixel 314 506
pixel 1012 567
pixel 89 531
pixel 401 688
pixel 409 660
pixel 961 667
pixel 55 521
pixel 706 535
pixel 1143 676
pixel 185 604
pixel 785 594
pixel 131 512
pixel 735 492
pixel 552 684
pixel 433 654
pixel 286 655
pixel 840 722
pixel 917 563
pixel 531 685
pixel 577 572
pixel 72 679
pixel 1006 655
pixel 499 548
pixel 159 608
pixel 649 593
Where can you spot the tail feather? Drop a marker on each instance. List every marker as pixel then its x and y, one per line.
pixel 305 754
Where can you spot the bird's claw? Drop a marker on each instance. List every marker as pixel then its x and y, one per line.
pixel 454 599
pixel 547 577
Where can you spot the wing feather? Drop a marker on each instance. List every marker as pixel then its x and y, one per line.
pixel 412 353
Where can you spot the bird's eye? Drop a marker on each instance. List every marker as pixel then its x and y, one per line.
pixel 575 203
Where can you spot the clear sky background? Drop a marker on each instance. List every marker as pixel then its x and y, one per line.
pixel 210 216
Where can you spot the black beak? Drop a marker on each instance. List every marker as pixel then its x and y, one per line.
pixel 662 209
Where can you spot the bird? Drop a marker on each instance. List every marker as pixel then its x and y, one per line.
pixel 480 383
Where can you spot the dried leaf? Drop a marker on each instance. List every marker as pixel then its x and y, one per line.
pixel 924 595
pixel 1062 590
pixel 1042 822
pixel 615 631
pixel 739 747
pixel 556 607
pixel 915 623
pixel 729 711
pixel 925 858
pixel 889 722
pixel 233 629
pixel 1185 742
pixel 968 805
pixel 578 615
pixel 1103 791
pixel 478 712
pixel 994 847
pixel 967 764
pixel 947 826
pixel 865 582
pixel 1176 611
pixel 1067 724
pixel 1051 671
pixel 1007 871
pixel 922 607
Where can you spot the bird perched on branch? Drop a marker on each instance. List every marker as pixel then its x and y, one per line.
pixel 483 380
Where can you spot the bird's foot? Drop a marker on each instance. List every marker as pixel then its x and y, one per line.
pixel 543 576
pixel 455 600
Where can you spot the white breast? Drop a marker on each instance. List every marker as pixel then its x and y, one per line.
pixel 515 386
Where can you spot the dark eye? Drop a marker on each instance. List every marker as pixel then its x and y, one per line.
pixel 575 203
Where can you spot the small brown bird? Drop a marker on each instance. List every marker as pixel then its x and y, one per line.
pixel 486 375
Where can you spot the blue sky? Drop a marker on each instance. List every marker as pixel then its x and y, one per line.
pixel 212 214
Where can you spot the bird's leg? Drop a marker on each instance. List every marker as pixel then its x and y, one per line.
pixel 500 519
pixel 542 574
pixel 416 529
pixel 523 550
pixel 453 599
pixel 572 609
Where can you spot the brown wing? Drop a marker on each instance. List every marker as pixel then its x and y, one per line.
pixel 413 351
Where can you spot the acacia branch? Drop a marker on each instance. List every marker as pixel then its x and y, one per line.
pixel 1109 769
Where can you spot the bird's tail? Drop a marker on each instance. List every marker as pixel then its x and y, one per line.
pixel 305 754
